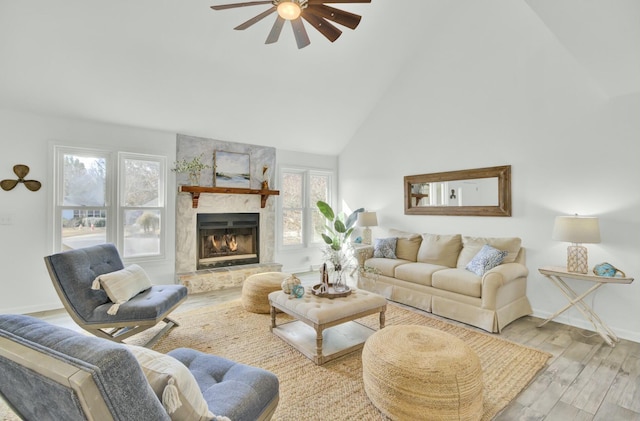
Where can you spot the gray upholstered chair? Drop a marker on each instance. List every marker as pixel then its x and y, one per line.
pixel 52 373
pixel 73 272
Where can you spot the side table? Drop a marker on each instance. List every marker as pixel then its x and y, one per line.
pixel 361 253
pixel 556 275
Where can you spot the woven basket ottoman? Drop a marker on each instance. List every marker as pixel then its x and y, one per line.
pixel 256 289
pixel 414 372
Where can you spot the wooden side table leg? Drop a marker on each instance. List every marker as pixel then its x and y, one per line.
pixel 382 317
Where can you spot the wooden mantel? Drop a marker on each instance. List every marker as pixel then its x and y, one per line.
pixel 196 190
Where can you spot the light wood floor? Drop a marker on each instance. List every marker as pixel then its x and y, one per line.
pixel 586 379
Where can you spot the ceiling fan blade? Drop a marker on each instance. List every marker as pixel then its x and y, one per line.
pixel 231 6
pixel 276 29
pixel 337 1
pixel 8 184
pixel 350 20
pixel 32 185
pixel 302 38
pixel 328 30
pixel 20 170
pixel 255 19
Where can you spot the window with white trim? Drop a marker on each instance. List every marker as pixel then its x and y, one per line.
pixel 109 197
pixel 300 190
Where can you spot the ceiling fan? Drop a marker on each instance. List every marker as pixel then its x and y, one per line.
pixel 315 12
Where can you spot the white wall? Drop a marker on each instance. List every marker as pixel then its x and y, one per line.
pixel 492 99
pixel 301 259
pixel 25 285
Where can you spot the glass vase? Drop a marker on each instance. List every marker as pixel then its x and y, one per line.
pixel 339 281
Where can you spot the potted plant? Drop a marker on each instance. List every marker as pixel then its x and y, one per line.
pixel 193 168
pixel 338 229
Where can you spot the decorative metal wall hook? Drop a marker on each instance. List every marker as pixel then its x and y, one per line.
pixel 21 171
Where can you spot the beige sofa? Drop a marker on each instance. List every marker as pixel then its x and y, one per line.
pixel 429 273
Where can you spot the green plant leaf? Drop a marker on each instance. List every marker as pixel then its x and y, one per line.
pixel 327 239
pixel 326 210
pixel 339 226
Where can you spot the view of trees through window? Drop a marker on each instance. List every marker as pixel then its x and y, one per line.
pixel 87 207
pixel 83 213
pixel 302 223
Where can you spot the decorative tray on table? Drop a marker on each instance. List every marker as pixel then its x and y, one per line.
pixel 332 293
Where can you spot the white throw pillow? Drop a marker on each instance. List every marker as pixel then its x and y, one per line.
pixel 174 385
pixel 122 285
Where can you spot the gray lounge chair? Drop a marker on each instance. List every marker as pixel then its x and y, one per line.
pixel 52 373
pixel 72 273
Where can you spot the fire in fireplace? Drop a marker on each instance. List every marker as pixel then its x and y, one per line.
pixel 227 239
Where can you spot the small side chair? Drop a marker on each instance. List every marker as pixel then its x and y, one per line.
pixel 73 273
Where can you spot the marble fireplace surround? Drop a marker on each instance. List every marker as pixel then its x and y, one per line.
pixel 186 216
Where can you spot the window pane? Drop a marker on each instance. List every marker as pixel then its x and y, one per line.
pixel 140 186
pixel 292 190
pixel 291 227
pixel 141 232
pixel 319 189
pixel 318 226
pixel 84 180
pixel 83 228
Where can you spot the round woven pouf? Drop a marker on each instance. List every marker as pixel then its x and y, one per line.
pixel 256 289
pixel 414 372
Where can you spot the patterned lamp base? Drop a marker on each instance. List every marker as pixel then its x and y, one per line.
pixel 577 259
pixel 366 236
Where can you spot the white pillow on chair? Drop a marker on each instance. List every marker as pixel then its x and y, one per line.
pixel 122 285
pixel 174 385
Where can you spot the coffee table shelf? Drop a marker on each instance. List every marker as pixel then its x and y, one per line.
pixel 325 328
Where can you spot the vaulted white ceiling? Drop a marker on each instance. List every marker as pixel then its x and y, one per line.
pixel 179 66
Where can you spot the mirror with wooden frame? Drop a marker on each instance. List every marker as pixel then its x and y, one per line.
pixel 475 192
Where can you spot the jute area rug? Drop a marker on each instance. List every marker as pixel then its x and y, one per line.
pixel 334 391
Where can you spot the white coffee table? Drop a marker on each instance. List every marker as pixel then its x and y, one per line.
pixel 333 332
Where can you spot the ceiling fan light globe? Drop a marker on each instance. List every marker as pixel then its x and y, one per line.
pixel 289 10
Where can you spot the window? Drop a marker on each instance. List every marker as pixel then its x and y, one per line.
pixel 109 197
pixel 300 191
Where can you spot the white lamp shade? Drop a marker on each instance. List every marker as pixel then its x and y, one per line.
pixel 576 229
pixel 367 219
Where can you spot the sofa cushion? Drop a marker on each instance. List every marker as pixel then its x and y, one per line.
pixel 440 249
pixel 472 245
pixel 385 247
pixel 417 273
pixel 486 259
pixel 460 281
pixel 174 385
pixel 407 245
pixel 386 267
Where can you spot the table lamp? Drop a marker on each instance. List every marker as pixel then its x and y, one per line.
pixel 367 219
pixel 576 230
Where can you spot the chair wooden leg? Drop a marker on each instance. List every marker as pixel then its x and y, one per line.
pixel 169 324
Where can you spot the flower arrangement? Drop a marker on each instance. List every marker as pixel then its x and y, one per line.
pixel 193 168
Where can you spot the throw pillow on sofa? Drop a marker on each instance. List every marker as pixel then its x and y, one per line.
pixel 407 245
pixel 439 249
pixel 385 247
pixel 486 259
pixel 472 245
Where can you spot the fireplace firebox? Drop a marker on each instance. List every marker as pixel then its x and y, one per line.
pixel 228 239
